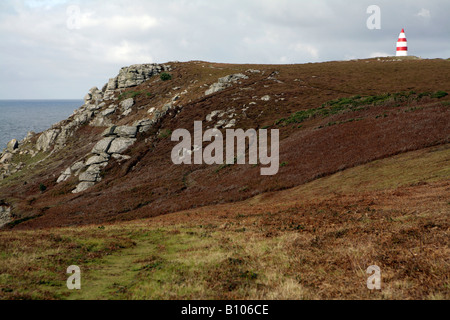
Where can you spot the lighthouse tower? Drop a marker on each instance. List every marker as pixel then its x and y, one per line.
pixel 402 45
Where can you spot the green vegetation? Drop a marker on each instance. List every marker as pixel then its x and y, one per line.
pixel 439 94
pixel 42 187
pixel 329 124
pixel 165 76
pixel 165 134
pixel 355 103
pixel 130 94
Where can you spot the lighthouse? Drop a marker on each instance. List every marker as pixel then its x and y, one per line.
pixel 402 45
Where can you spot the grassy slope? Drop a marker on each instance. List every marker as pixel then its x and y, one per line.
pixel 313 241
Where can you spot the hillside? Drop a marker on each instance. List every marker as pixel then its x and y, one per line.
pixel 115 151
pixel 363 180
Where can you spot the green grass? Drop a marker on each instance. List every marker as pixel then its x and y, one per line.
pixel 158 267
pixel 439 94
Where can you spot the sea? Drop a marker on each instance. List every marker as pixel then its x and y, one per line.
pixel 18 117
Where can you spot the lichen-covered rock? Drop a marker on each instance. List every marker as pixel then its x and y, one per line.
pixel 109 131
pixel 103 145
pixel 127 104
pixel 5 215
pixel 126 131
pixel 64 176
pixel 88 177
pixel 210 116
pixel 225 82
pixel 120 157
pixel 144 125
pixel 96 160
pixel 119 145
pixel 135 75
pixel 83 117
pixel 12 145
pixel 109 111
pixel 47 139
pixel 100 121
pixel 77 167
pixel 83 186
pixel 7 156
pixel 231 124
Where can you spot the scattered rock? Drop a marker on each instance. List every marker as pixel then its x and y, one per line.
pixel 224 83
pixel 83 186
pixel 231 124
pixel 6 157
pixel 210 116
pixel 265 98
pixel 127 104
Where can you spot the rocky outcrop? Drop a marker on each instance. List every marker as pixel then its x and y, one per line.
pixel 135 75
pixel 115 141
pixel 97 111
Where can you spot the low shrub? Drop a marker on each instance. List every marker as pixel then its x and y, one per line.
pixel 165 76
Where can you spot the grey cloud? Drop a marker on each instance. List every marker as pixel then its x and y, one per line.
pixel 41 58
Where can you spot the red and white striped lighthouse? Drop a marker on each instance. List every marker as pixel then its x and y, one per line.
pixel 402 45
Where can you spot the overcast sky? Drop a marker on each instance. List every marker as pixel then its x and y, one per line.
pixel 52 49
